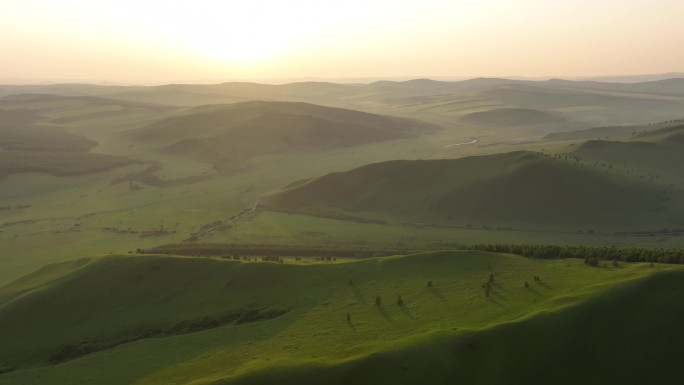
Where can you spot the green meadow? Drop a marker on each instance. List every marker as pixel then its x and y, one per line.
pixel 382 181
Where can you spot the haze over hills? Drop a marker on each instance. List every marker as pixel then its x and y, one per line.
pixel 238 131
pixel 588 101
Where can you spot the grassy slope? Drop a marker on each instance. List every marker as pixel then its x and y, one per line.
pixel 507 189
pixel 129 294
pixel 507 117
pixel 622 337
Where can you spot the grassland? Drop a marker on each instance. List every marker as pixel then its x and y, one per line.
pixel 128 295
pixel 107 315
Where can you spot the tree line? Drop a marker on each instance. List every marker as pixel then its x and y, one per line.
pixel 588 253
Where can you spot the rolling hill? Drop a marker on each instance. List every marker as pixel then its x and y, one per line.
pixel 519 188
pixel 591 102
pixel 241 130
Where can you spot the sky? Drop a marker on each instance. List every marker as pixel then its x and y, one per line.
pixel 157 41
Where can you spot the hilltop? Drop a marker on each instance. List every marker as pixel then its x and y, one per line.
pixel 241 130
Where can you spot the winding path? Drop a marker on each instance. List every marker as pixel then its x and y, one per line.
pixel 460 144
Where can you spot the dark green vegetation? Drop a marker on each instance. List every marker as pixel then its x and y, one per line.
pixel 300 286
pixel 591 255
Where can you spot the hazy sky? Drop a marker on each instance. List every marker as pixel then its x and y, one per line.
pixel 166 40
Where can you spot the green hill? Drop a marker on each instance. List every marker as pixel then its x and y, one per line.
pixel 245 129
pixel 519 188
pixel 156 320
pixel 618 338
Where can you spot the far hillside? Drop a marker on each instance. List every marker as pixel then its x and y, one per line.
pixel 519 117
pixel 613 132
pixel 520 189
pixel 28 147
pixel 219 133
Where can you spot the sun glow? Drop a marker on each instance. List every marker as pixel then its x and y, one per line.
pixel 240 34
pixel 260 39
pixel 251 47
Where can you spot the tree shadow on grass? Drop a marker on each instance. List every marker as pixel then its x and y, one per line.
pixel 437 293
pixel 501 288
pixel 384 313
pixel 358 296
pixel 499 292
pixel 351 326
pixel 535 292
pixel 406 311
pixel 495 301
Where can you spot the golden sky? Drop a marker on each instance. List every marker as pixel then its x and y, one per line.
pixel 148 41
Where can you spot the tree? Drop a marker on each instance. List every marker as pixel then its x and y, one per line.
pixel 378 301
pixel 400 301
pixel 429 283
